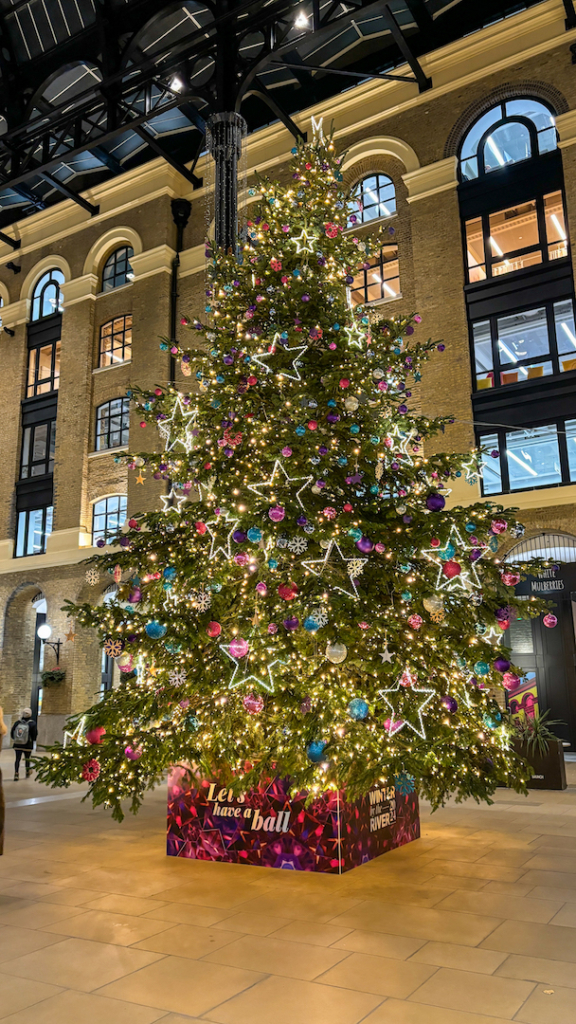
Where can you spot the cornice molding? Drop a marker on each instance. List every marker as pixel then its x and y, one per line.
pixel 79 289
pixel 153 261
pixel 566 125
pixel 16 313
pixel 432 179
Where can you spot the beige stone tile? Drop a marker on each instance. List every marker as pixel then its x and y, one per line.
pixel 252 924
pixel 461 990
pixel 204 917
pixel 512 889
pixel 102 927
pixel 78 1008
pixel 552 862
pixel 364 973
pixel 549 1007
pixel 534 968
pixel 184 986
pixel 553 892
pixel 509 858
pixel 17 941
pixel 188 940
pixel 548 940
pixel 465 958
pixel 395 1012
pixel 270 955
pixel 460 882
pixel 79 964
pixel 27 914
pixel 557 879
pixel 29 891
pixel 566 916
pixel 211 894
pixel 116 904
pixel 70 897
pixel 177 1018
pixel 418 922
pixel 397 947
pixel 15 996
pixel 302 907
pixel 418 895
pixel 498 872
pixel 514 908
pixel 307 931
pixel 286 1001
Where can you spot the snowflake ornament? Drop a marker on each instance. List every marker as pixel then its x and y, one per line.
pixel 113 648
pixel 355 566
pixel 404 783
pixel 177 677
pixel 92 577
pixel 202 600
pixel 298 545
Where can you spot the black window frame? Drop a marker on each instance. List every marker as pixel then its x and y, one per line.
pixel 39 293
pixel 107 531
pixel 106 419
pixel 24 517
pixel 33 390
pixel 109 353
pixel 504 119
pixel 358 192
pixel 120 266
pixel 377 264
pixel 27 463
pixel 501 432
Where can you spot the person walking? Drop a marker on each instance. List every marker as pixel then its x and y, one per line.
pixel 23 733
pixel 3 731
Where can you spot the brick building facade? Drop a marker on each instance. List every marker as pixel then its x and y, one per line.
pixel 413 141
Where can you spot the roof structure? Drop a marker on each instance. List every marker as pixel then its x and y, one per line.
pixel 91 88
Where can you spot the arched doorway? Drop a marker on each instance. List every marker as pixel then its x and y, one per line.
pixel 23 651
pixel 548 656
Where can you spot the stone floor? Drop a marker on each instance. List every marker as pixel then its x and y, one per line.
pixel 473 924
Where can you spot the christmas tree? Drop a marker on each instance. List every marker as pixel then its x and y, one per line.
pixel 304 604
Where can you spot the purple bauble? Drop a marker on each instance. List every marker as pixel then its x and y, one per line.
pixel 450 703
pixel 365 545
pixel 502 614
pixel 291 624
pixel 301 521
pixel 435 502
pixel 239 536
pixel 501 665
pixel 276 514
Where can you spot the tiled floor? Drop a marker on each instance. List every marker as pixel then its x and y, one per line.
pixel 473 924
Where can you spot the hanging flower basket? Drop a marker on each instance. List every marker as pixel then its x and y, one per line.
pixel 53 677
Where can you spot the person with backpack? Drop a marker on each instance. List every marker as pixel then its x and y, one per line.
pixel 23 733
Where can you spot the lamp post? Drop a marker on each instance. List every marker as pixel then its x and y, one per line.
pixel 44 632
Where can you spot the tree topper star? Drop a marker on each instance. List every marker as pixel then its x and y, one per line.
pixel 279 469
pixel 322 566
pixel 297 352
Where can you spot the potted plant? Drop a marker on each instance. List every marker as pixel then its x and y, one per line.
pixel 52 676
pixel 537 743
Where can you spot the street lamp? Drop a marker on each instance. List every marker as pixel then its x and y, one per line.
pixel 44 632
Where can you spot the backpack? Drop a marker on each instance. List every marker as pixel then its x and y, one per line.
pixel 21 734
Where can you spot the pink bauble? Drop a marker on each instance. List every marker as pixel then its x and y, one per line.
pixel 253 703
pixel 510 579
pixel 213 629
pixel 125 662
pixel 95 735
pixel 133 755
pixel 241 558
pixel 550 620
pixel 90 770
pixel 499 526
pixel 510 681
pixel 262 588
pixel 276 514
pixel 287 591
pixel 238 647
pixel 379 547
pixel 415 621
pixel 272 628
pixel 503 623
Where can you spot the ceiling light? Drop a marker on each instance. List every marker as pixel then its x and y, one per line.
pixel 496 152
pixel 176 83
pixel 496 248
pixel 558 227
pixel 521 462
pixel 301 20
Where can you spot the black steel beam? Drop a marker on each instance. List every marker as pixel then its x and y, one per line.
pixel 70 194
pixel 14 242
pixel 259 89
pixel 570 21
pixel 348 74
pixel 399 38
pixel 158 148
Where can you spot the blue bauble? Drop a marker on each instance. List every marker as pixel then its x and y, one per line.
pixel 254 535
pixel 358 709
pixel 355 533
pixel 310 624
pixel 406 595
pixel 447 553
pixel 315 750
pixel 481 668
pixel 155 630
pixel 192 722
pixel 460 661
pixel 169 572
pixel 172 646
pixel 492 721
pixel 493 543
pixel 272 563
pixel 470 527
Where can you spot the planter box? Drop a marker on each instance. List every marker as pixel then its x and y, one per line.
pixel 549 772
pixel 268 828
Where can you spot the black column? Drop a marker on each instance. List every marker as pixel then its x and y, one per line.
pixel 225 132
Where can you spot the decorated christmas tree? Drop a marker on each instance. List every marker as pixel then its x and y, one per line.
pixel 304 604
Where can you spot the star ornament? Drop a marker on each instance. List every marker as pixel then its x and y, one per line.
pixel 385 655
pixel 172 502
pixel 355 336
pixel 176 429
pixel 265 680
pixel 296 353
pixel 330 569
pixel 468 578
pixel 277 473
pixel 221 529
pixel 305 241
pixel 407 707
pixel 71 636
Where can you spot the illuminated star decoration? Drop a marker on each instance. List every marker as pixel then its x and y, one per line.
pixel 305 241
pixel 406 711
pixel 77 734
pixel 172 502
pixel 298 352
pixel 468 578
pixel 494 636
pixel 279 468
pixel 402 439
pixel 355 336
pixel 327 566
pixel 267 683
pixel 171 428
pixel 218 543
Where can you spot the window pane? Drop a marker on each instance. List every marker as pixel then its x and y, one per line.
pixel 56 381
pixel 555 226
pixel 477 130
pixel 25 452
pixel 34 544
pixel 507 145
pixel 483 355
pixel 547 140
pixel 536 112
pixel 49 516
pixel 533 458
pixel 40 442
pixel 570 428
pixel 31 372
pixel 529 372
pixel 512 230
pixel 565 335
pixel 491 471
pixel 522 336
pixel 373 197
pixel 45 363
pixel 21 534
pixel 475 250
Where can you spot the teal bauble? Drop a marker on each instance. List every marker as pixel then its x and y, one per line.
pixel 315 751
pixel 481 668
pixel 358 709
pixel 155 630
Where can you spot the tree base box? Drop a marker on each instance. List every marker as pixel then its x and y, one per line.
pixel 268 828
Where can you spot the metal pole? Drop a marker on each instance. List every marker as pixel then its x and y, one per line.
pixel 224 137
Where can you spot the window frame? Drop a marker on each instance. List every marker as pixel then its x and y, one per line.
pixel 106 532
pixel 361 222
pixel 505 118
pixel 103 353
pixel 501 432
pixel 123 430
pixel 43 283
pixel 47 461
pixel 115 278
pixel 378 266
pixel 24 534
pixel 32 390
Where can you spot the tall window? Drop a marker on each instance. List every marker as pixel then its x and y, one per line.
pixel 371 198
pixel 116 341
pixel 33 528
pixel 38 445
pixel 379 279
pixel 47 296
pixel 506 134
pixel 112 420
pixel 522 460
pixel 520 236
pixel 43 369
pixel 117 269
pixel 524 346
pixel 108 516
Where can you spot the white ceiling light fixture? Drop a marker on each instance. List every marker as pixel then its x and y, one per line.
pixel 176 83
pixel 301 20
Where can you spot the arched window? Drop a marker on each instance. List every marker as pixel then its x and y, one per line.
pixel 112 421
pixel 506 134
pixel 47 297
pixel 370 199
pixel 108 516
pixel 117 269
